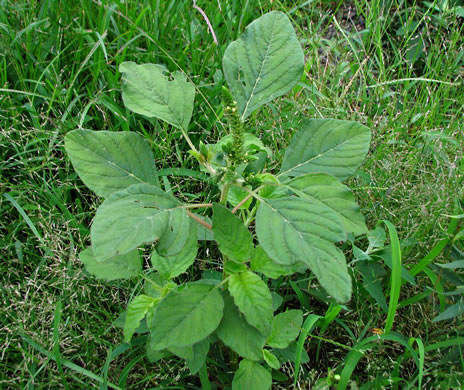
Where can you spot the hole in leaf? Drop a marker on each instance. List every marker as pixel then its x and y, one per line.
pixel 168 75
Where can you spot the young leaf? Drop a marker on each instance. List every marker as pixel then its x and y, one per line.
pixel 136 312
pixel 232 236
pixel 117 267
pixel 186 316
pixel 253 298
pixel 286 327
pixel 237 334
pixel 131 217
pixel 291 229
pixel 271 359
pixel 109 161
pixel 149 90
pixel 322 188
pixel 377 237
pixel 264 63
pixel 331 146
pixel 251 375
pixel 171 266
pixel 261 262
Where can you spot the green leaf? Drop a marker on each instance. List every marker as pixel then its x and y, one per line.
pixel 200 351
pixel 109 161
pixel 175 237
pixel 261 262
pixel 451 312
pixel 186 316
pixel 117 267
pixel 236 194
pixel 335 147
pixel 131 217
pixel 136 312
pixel 321 188
pixel 291 229
pixel 150 90
pixel 264 63
pixel 154 355
pixel 285 328
pixel 237 334
pixel 377 237
pixel 253 298
pixel 271 359
pixel 171 266
pixel 251 375
pixel 233 238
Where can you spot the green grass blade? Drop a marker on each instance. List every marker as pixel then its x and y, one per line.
pixel 67 363
pixel 25 216
pixel 395 275
pixel 308 326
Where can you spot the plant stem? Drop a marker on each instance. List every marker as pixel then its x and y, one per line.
pixel 205 385
pixel 199 220
pixel 189 141
pixel 196 206
pixel 224 193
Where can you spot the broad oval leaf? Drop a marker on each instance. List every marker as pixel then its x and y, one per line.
pixel 251 375
pixel 131 217
pixel 286 327
pixel 200 351
pixel 233 238
pixel 253 298
pixel 150 90
pixel 117 267
pixel 171 266
pixel 291 229
pixel 238 334
pixel 109 161
pixel 332 146
pixel 271 359
pixel 186 316
pixel 264 63
pixel 136 312
pixel 326 189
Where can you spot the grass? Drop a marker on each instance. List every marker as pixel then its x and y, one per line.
pixel 58 71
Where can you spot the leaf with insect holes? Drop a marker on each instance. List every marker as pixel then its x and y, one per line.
pixel 332 146
pixel 253 298
pixel 251 375
pixel 171 266
pixel 233 238
pixel 131 217
pixel 150 90
pixel 117 267
pixel 235 332
pixel 326 189
pixel 136 312
pixel 108 161
pixel 292 230
pixel 186 316
pixel 264 63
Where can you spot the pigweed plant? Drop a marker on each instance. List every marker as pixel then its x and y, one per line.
pixel 266 225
